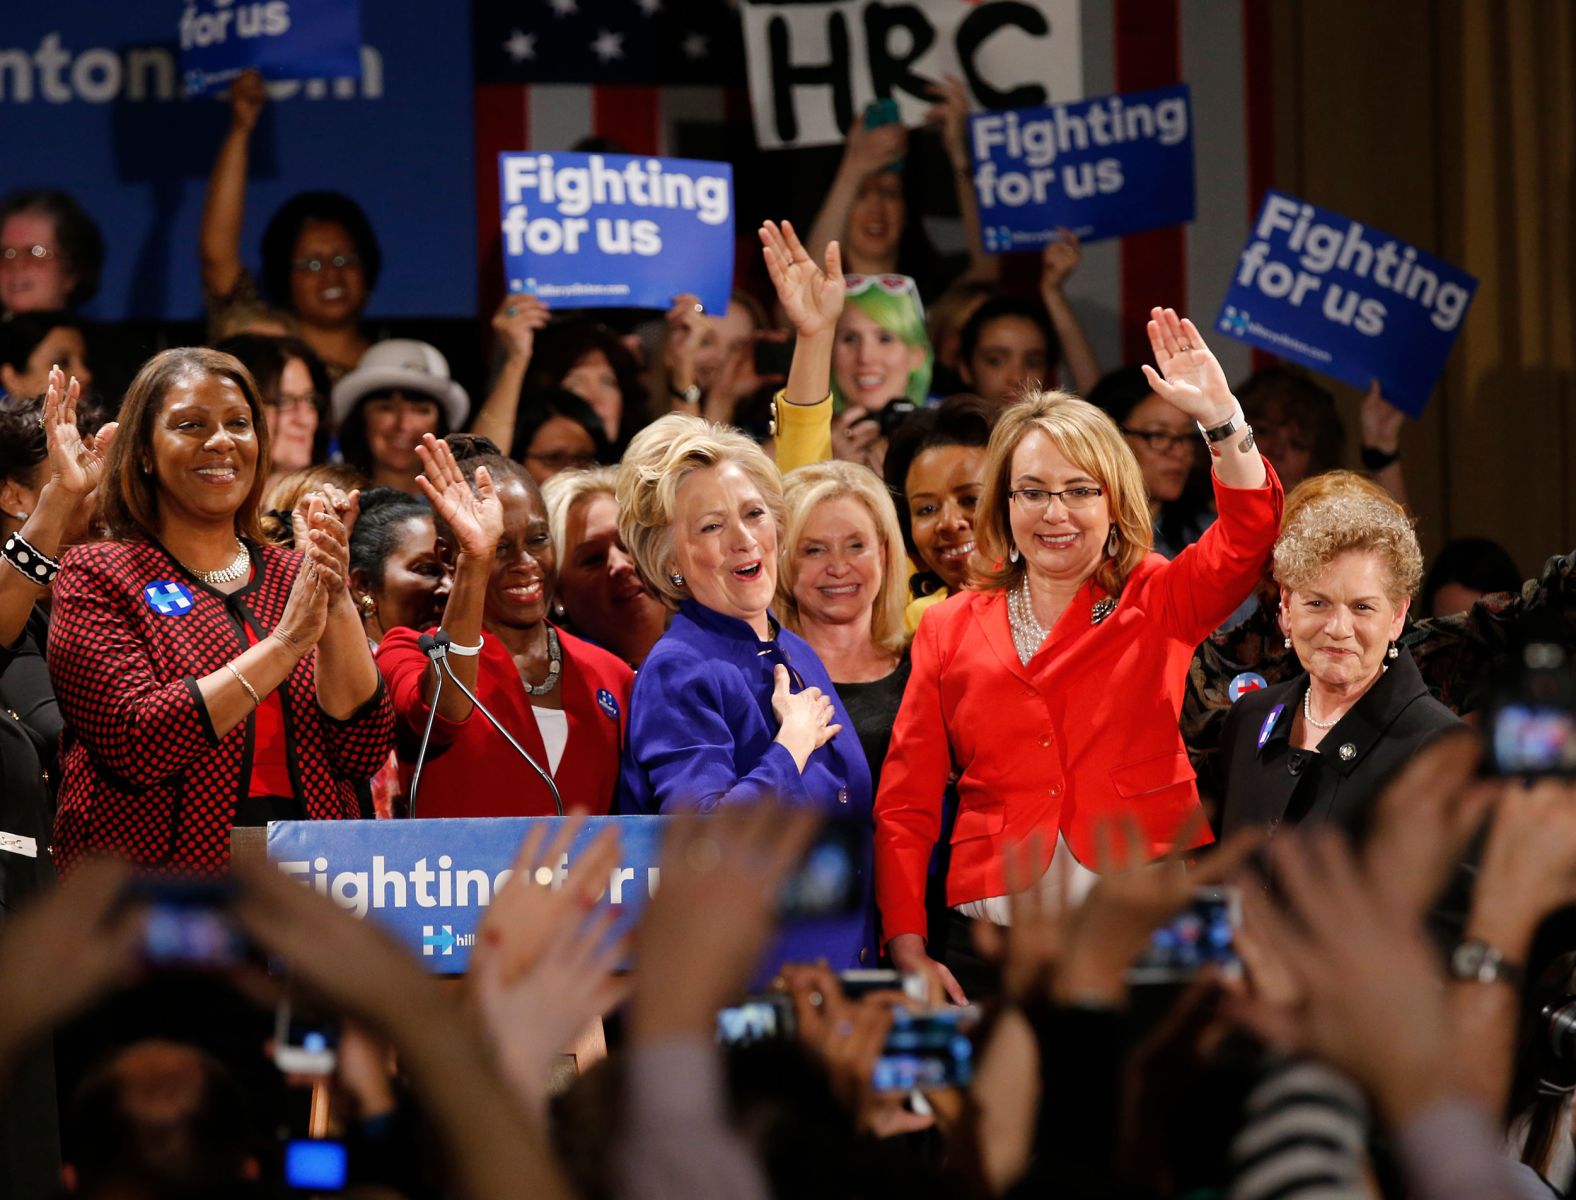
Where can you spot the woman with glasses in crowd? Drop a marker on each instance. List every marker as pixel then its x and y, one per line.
pixel 1165 441
pixel 1053 686
pixel 51 253
pixel 294 386
pixel 320 258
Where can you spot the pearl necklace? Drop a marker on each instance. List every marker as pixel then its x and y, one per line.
pixel 1308 714
pixel 227 574
pixel 555 659
pixel 1028 635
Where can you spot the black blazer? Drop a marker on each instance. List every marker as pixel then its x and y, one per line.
pixel 1263 773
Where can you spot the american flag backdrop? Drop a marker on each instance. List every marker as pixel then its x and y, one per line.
pixel 667 77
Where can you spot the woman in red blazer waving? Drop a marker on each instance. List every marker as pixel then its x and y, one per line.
pixel 1052 686
pixel 563 699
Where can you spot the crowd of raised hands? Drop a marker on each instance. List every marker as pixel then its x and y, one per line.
pixel 1338 970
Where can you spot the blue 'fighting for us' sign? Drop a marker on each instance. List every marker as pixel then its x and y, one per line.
pixel 618 230
pixel 1103 168
pixel 429 882
pixel 283 39
pixel 1328 292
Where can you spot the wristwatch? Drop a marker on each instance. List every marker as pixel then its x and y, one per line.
pixel 1475 961
pixel 1219 433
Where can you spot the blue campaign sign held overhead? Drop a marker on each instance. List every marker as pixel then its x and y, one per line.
pixel 1103 168
pixel 430 882
pixel 283 39
pixel 596 230
pixel 91 101
pixel 1328 292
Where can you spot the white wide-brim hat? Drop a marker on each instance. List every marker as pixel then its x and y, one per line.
pixel 405 365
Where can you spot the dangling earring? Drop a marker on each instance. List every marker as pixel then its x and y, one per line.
pixel 367 604
pixel 1392 652
pixel 1012 553
pixel 676 579
pixel 1288 643
pixel 1113 543
pixel 558 610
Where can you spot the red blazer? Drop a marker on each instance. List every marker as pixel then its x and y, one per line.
pixel 1085 732
pixel 143 776
pixel 472 771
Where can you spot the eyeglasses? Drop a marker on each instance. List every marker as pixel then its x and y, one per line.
pixel 289 403
pixel 33 253
pixel 1037 500
pixel 1159 440
pixel 340 262
pixel 563 460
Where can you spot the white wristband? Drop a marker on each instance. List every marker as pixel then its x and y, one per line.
pixel 465 651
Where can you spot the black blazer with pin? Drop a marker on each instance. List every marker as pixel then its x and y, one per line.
pixel 1267 781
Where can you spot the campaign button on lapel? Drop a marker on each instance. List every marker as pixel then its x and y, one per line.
pixel 608 703
pixel 168 598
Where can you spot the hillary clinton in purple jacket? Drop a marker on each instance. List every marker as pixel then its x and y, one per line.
pixel 729 708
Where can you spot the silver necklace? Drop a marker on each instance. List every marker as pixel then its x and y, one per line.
pixel 1028 635
pixel 1308 714
pixel 555 660
pixel 227 574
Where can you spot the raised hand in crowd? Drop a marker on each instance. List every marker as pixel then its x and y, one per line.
pixel 1423 821
pixel 687 329
pixel 1190 378
pixel 519 318
pixel 702 934
pixel 82 938
pixel 1380 424
pixel 345 674
pixel 847 1036
pixel 1527 873
pixel 866 152
pixel 224 209
pixel 949 116
pixel 354 968
pixel 542 966
pixel 65 503
pixel 474 520
pixel 812 299
pixel 1058 261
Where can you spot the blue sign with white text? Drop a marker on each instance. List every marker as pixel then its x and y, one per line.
pixel 1103 168
pixel 91 101
pixel 1328 292
pixel 428 882
pixel 282 39
pixel 615 230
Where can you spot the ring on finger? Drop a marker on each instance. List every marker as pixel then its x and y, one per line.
pixel 511 311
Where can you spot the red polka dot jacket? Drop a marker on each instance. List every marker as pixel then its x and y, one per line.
pixel 143 775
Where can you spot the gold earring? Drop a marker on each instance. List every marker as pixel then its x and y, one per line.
pixel 367 604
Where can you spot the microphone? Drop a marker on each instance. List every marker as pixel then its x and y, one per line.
pixel 442 659
pixel 437 652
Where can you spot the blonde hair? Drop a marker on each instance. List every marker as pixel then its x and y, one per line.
pixel 1339 511
pixel 804 490
pixel 660 457
pixel 568 488
pixel 284 493
pixel 1091 441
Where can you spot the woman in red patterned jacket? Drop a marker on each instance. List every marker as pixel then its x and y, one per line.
pixel 207 680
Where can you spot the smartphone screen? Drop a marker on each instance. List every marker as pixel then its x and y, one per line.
pixel 1203 934
pixel 925 1051
pixel 304 1044
pixel 316 1166
pixel 1532 739
pixel 760 1019
pixel 189 925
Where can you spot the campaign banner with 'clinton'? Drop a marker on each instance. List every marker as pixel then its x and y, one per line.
pixel 1328 292
pixel 1103 168
pixel 429 882
pixel 283 39
pixel 616 230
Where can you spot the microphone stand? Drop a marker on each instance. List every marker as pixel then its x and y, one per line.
pixel 437 652
pixel 444 666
